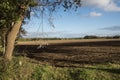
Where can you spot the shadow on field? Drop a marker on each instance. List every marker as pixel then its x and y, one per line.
pixel 1 54
pixel 115 71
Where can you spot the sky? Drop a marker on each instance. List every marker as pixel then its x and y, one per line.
pixel 94 17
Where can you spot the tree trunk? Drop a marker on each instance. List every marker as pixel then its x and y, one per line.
pixel 10 39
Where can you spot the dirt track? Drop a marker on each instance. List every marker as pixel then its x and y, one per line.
pixel 74 54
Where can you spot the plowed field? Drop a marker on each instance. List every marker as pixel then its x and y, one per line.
pixel 72 53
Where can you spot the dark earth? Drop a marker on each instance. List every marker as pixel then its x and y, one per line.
pixel 73 54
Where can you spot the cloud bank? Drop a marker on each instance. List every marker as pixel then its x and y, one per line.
pixel 113 28
pixel 106 5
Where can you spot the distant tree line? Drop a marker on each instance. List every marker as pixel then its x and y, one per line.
pixel 36 39
pixel 98 37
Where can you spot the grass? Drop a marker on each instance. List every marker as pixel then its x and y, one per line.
pixel 18 69
pixel 90 72
pixel 22 68
pixel 109 71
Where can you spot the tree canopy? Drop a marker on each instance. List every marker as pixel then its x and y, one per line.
pixel 10 11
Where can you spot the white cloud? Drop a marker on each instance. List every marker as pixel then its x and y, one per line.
pixel 92 14
pixel 32 13
pixel 107 5
pixel 95 14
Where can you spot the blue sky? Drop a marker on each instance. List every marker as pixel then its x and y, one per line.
pixel 94 17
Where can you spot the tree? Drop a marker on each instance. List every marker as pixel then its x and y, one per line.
pixel 13 13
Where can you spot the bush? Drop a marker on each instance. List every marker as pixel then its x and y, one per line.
pixel 91 37
pixel 17 69
pixel 116 37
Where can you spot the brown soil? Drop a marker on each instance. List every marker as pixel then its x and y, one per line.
pixel 74 54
